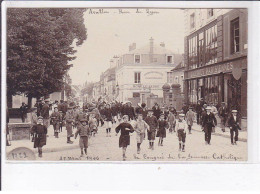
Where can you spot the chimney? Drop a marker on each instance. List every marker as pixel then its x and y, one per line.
pixel 132 46
pixel 162 44
pixel 111 63
pixel 151 50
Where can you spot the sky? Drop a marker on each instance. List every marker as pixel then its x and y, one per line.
pixel 111 33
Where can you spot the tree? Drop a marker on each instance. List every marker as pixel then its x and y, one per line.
pixel 40 48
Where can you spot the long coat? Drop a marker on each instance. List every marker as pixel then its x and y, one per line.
pixel 45 111
pixel 162 125
pixel 190 116
pixel 124 139
pixel 209 121
pixel 69 121
pixel 231 122
pixel 39 132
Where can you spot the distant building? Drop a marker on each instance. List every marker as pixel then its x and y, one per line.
pixel 177 75
pixel 141 73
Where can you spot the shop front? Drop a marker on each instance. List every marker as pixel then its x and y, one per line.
pixel 222 82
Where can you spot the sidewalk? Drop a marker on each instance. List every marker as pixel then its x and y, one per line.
pixel 53 144
pixel 242 135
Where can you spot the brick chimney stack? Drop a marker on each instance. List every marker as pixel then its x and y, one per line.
pixel 162 44
pixel 132 46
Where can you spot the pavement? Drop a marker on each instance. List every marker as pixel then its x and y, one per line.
pixel 103 148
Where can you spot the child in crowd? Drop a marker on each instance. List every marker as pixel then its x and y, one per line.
pixel 161 133
pixel 172 122
pixel 39 132
pixel 181 128
pixel 124 139
pixel 83 131
pixel 140 127
pixel 93 123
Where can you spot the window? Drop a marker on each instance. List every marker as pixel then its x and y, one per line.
pixel 211 45
pixel 192 21
pixel 136 95
pixel 169 59
pixel 234 35
pixel 192 55
pixel 176 79
pixel 137 58
pixel 210 13
pixel 169 77
pixel 192 91
pixel 137 77
pixel 201 49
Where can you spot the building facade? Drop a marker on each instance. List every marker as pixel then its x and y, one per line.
pixel 141 73
pixel 216 57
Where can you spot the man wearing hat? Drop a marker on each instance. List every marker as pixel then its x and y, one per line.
pixel 199 111
pixel 23 111
pixel 209 121
pixel 39 131
pixel 83 131
pixel 223 114
pixel 181 128
pixel 151 120
pixel 233 124
pixel 45 113
pixel 55 118
pixel 69 123
pixel 190 117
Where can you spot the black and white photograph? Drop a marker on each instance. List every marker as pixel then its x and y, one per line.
pixel 126 84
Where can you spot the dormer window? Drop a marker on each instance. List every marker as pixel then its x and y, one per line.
pixel 169 59
pixel 137 59
pixel 192 21
pixel 210 13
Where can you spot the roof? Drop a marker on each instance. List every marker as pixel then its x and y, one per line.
pixel 178 67
pixel 157 49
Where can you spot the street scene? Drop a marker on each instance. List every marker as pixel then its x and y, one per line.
pixel 142 85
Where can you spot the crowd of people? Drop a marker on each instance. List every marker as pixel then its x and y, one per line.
pixel 153 123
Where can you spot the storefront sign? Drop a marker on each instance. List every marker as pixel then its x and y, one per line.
pixel 144 87
pixel 153 75
pixel 216 69
pixel 237 72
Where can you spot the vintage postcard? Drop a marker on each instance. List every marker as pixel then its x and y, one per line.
pixel 132 84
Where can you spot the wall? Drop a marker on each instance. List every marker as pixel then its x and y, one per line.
pixel 227 18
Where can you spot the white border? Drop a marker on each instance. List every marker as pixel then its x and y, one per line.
pixel 54 171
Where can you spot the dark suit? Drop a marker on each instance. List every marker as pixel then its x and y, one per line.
pixel 233 124
pixel 209 121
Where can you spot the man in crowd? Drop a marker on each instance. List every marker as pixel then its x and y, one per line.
pixel 45 113
pixel 223 114
pixel 23 111
pixel 209 121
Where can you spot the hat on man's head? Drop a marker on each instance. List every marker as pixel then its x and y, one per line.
pixel 125 116
pixel 40 117
pixel 234 111
pixel 181 115
pixel 84 120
